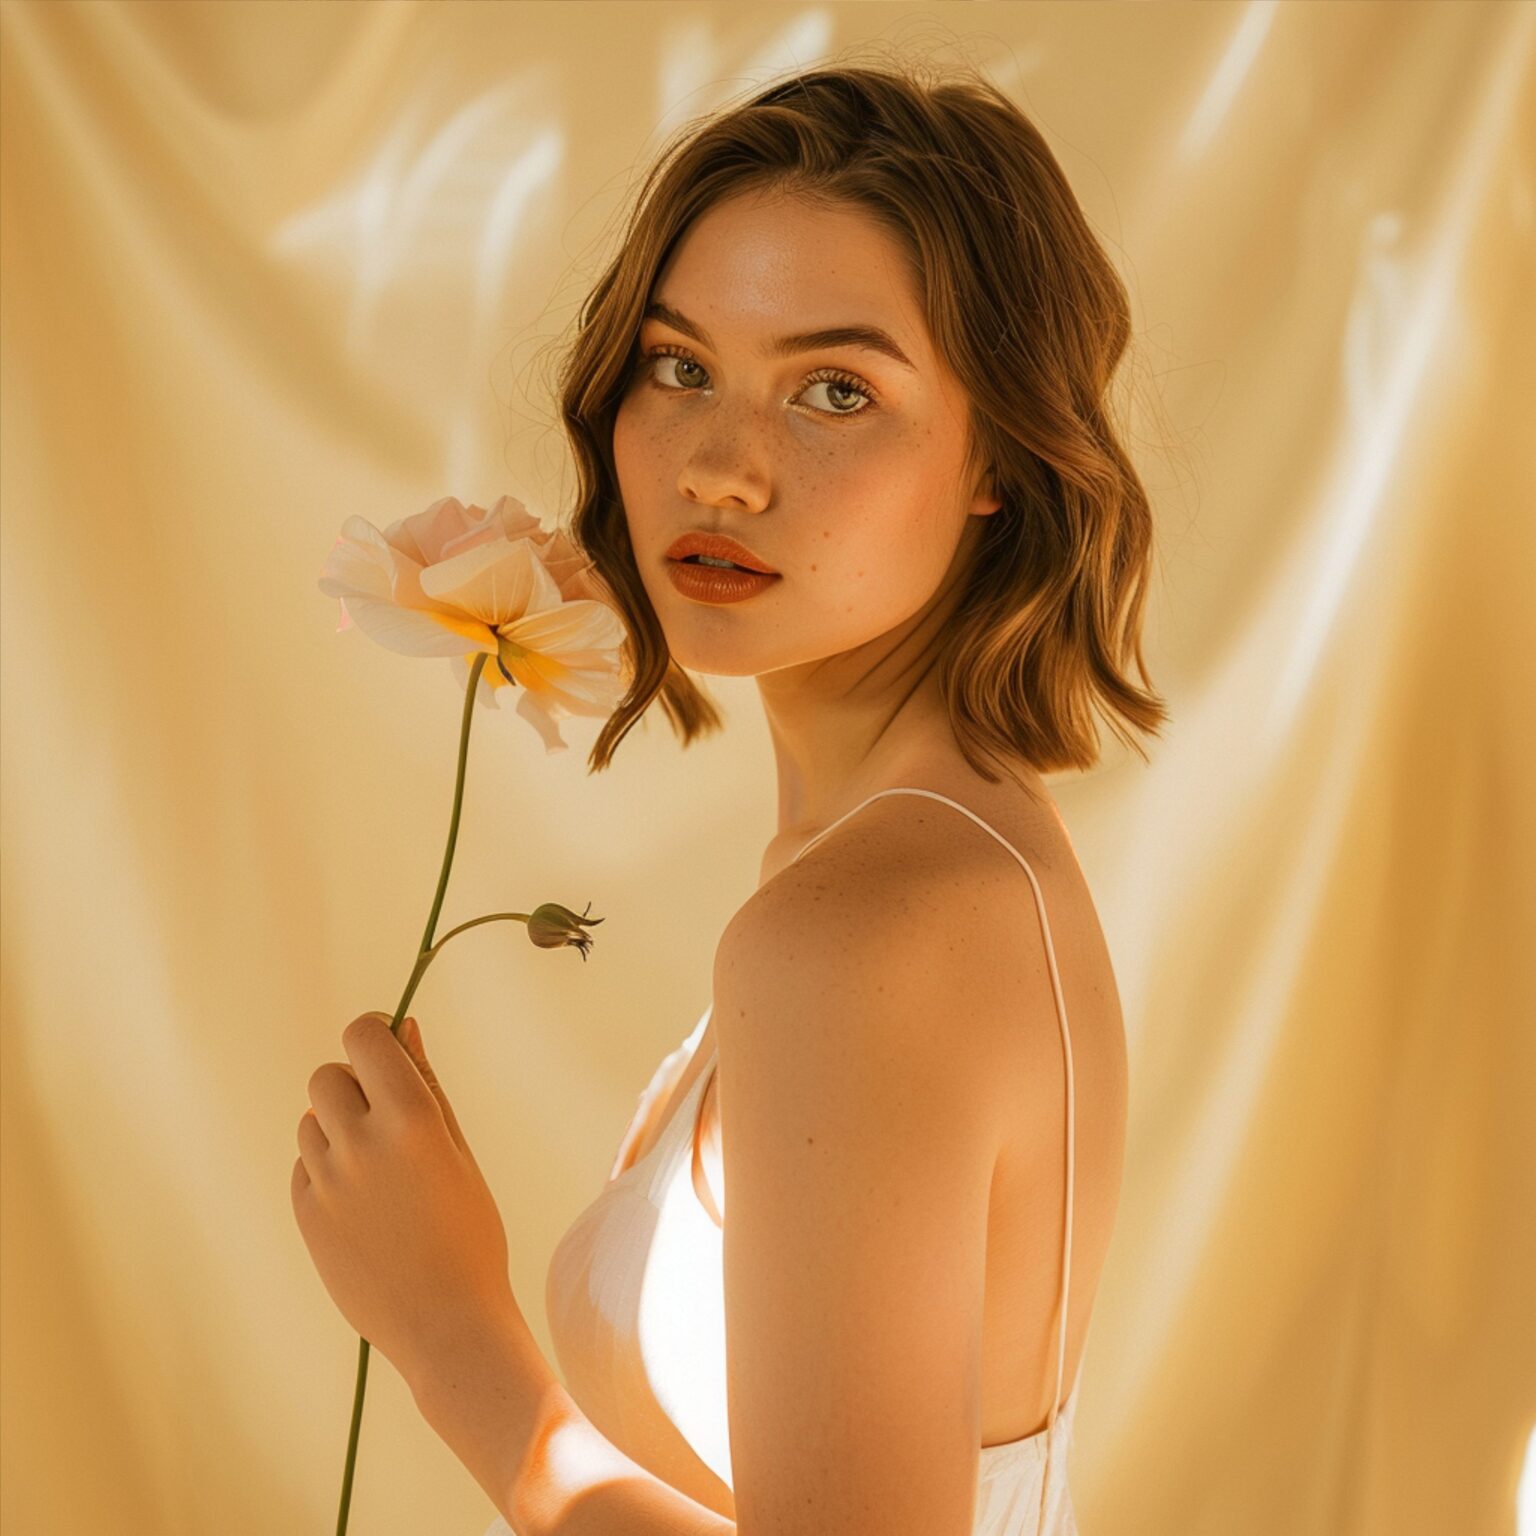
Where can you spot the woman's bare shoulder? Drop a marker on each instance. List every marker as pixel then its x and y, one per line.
pixel 875 936
pixel 904 869
pixel 905 836
pixel 911 863
pixel 899 936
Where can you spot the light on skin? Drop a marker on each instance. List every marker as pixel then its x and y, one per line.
pixel 856 491
pixel 853 488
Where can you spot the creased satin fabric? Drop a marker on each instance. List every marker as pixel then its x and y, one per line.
pixel 265 266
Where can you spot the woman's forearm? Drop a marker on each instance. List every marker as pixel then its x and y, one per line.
pixel 494 1400
pixel 585 1486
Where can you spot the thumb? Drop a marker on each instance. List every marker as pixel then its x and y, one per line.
pixel 410 1037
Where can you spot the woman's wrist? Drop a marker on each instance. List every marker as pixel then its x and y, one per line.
pixel 488 1392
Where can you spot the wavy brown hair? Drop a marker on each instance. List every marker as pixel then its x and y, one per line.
pixel 1025 308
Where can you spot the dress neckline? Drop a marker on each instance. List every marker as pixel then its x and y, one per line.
pixel 684 1111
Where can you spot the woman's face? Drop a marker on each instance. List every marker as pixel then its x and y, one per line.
pixel 847 483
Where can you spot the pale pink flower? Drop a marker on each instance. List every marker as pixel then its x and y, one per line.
pixel 454 580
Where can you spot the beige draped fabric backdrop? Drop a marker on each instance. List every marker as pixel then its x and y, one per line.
pixel 267 265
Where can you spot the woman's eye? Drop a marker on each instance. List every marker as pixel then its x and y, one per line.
pixel 687 368
pixel 681 361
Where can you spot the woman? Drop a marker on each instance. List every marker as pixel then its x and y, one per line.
pixel 857 340
pixel 856 343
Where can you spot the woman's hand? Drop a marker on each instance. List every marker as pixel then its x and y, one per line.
pixel 391 1203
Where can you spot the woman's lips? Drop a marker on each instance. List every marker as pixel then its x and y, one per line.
pixel 716 584
pixel 718 546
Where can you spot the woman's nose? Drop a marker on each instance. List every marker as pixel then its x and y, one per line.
pixel 720 479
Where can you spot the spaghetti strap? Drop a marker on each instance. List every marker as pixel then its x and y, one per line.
pixel 1066 1042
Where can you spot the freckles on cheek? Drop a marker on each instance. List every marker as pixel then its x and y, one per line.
pixel 826 533
pixel 650 444
pixel 635 451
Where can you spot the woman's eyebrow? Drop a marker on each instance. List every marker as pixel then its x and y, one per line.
pixel 869 336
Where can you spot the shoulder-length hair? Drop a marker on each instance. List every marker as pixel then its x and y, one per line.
pixel 1022 304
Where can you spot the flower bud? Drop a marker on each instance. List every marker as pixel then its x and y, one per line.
pixel 552 926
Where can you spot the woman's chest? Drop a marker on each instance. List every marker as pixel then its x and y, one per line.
pixel 684 1110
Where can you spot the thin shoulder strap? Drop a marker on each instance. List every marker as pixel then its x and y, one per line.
pixel 1066 1043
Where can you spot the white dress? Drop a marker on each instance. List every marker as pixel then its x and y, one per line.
pixel 636 1304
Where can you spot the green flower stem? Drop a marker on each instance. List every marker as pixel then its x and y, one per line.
pixel 423 960
pixel 428 955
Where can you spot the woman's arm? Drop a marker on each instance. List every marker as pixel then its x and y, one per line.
pixel 497 1404
pixel 855 1006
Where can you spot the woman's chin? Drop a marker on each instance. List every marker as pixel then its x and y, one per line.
pixel 713 664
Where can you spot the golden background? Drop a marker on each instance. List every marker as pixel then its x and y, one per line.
pixel 268 265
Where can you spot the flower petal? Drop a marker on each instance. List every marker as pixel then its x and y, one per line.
pixel 580 625
pixel 580 691
pixel 422 535
pixel 494 583
pixel 485 694
pixel 516 521
pixel 595 695
pixel 539 717
pixel 572 571
pixel 359 562
pixel 415 632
